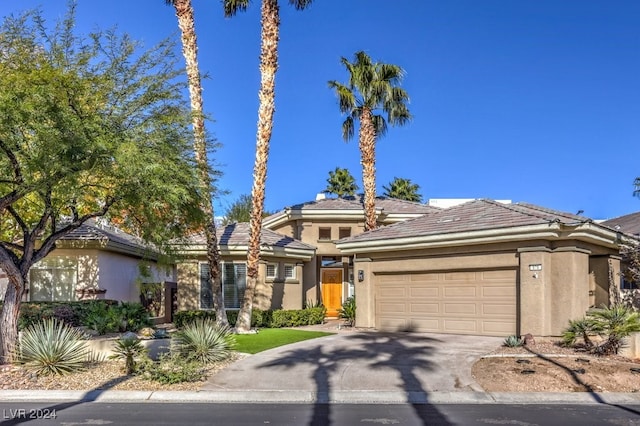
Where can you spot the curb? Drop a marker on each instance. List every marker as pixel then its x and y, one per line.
pixel 336 397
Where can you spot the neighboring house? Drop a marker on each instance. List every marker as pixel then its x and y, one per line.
pixel 483 268
pixel 628 224
pixel 281 278
pixel 95 261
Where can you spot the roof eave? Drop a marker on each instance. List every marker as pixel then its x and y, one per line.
pixel 553 231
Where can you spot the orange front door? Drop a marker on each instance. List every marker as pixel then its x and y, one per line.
pixel 332 290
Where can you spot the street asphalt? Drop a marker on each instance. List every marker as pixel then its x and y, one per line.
pixel 348 367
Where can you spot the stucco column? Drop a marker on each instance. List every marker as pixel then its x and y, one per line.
pixel 534 290
pixel 365 293
pixel 570 287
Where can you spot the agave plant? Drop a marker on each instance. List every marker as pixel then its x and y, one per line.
pixel 204 341
pixel 128 348
pixel 51 347
pixel 512 342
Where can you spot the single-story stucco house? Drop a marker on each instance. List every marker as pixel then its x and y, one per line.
pixel 95 261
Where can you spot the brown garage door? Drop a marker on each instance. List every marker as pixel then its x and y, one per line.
pixel 459 302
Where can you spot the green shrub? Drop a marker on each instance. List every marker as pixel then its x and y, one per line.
pixel 171 369
pixel 128 349
pixel 72 312
pixel 203 341
pixel 613 324
pixel 133 316
pixel 102 318
pixel 52 347
pixel 580 329
pixel 512 342
pixel 265 319
pixel 348 310
pixel 183 318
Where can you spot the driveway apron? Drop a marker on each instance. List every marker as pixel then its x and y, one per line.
pixel 361 361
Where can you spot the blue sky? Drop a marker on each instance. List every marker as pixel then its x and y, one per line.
pixel 535 101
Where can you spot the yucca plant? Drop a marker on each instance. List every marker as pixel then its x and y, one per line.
pixel 128 349
pixel 203 341
pixel 51 347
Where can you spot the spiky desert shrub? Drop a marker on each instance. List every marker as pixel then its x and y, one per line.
pixel 128 349
pixel 580 329
pixel 348 310
pixel 512 342
pixel 203 341
pixel 52 347
pixel 614 324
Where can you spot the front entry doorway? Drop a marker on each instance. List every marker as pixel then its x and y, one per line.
pixel 332 291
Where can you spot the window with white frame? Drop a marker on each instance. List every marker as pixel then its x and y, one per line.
pixel 289 271
pixel 272 270
pixel 53 279
pixel 234 282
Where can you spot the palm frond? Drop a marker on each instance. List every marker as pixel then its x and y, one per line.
pixel 232 7
pixel 348 129
pixel 300 4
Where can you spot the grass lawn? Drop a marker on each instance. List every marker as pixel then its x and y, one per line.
pixel 269 338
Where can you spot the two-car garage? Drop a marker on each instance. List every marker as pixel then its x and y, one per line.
pixel 480 302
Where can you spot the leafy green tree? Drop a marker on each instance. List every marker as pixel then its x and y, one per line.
pixel 341 183
pixel 186 22
pixel 269 37
pixel 403 189
pixel 89 127
pixel 373 89
pixel 240 211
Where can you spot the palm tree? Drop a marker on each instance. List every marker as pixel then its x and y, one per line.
pixel 341 182
pixel 269 36
pixel 184 13
pixel 373 89
pixel 403 189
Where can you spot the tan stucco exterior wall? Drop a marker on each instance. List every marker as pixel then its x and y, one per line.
pixel 547 298
pixel 270 293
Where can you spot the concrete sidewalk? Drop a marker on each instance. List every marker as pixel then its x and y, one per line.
pixel 337 397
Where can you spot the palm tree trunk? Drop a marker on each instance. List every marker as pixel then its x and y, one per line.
pixel 367 143
pixel 184 13
pixel 9 317
pixel 270 21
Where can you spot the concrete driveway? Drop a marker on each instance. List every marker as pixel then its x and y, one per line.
pixel 361 361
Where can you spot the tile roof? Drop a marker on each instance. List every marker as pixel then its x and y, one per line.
pixel 472 216
pixel 237 234
pixel 629 224
pixel 389 205
pixel 92 231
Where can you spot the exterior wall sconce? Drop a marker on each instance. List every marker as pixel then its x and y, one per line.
pixel 360 275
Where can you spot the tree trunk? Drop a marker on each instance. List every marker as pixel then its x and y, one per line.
pixel 367 144
pixel 184 13
pixel 9 318
pixel 270 21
